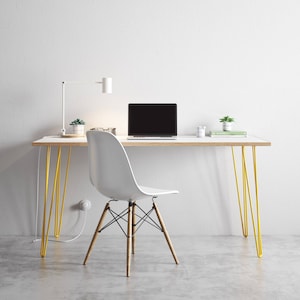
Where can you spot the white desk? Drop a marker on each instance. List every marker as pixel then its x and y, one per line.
pixel 242 182
pixel 180 141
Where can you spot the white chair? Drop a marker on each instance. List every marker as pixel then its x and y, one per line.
pixel 112 175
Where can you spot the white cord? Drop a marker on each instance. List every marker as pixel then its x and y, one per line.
pixel 72 239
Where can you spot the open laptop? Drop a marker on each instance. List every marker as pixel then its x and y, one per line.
pixel 152 121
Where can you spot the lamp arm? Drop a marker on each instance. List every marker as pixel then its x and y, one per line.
pixel 106 89
pixel 63 130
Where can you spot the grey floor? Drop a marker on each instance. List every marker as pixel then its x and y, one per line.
pixel 219 267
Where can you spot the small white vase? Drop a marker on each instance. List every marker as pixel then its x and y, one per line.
pixel 78 129
pixel 227 126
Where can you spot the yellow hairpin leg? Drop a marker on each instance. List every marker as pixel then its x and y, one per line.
pixel 244 222
pixel 248 199
pixel 245 194
pixel 46 227
pixel 259 238
pixel 56 193
pixel 44 241
pixel 60 202
pixel 59 205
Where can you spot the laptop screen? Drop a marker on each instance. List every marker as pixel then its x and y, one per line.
pixel 152 119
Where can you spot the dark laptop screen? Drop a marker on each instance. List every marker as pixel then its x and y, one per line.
pixel 152 119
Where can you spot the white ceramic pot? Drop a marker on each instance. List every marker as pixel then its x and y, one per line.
pixel 78 129
pixel 227 126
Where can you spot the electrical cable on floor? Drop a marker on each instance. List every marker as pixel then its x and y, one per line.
pixel 72 239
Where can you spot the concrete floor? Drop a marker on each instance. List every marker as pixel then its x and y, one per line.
pixel 217 267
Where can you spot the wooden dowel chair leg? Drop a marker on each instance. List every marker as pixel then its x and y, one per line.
pixel 133 227
pixel 96 233
pixel 166 234
pixel 129 239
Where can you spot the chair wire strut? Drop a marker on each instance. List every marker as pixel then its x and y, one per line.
pixel 144 218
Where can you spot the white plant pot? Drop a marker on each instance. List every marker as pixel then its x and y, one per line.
pixel 78 129
pixel 227 126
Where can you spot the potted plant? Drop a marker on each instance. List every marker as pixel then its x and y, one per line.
pixel 78 126
pixel 227 123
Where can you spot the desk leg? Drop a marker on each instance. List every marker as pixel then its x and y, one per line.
pixel 247 199
pixel 59 203
pixel 44 240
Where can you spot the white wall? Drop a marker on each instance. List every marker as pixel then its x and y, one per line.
pixel 212 58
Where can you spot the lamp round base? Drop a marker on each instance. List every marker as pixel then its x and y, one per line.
pixel 72 135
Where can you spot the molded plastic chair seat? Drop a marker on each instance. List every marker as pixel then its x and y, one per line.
pixel 111 174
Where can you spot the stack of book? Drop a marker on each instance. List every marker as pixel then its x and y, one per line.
pixel 216 133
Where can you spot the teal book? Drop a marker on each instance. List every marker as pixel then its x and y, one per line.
pixel 233 133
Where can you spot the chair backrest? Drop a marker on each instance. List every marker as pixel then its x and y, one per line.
pixel 109 167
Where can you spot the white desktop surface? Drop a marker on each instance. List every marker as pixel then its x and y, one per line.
pixel 184 140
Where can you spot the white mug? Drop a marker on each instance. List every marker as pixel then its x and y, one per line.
pixel 201 131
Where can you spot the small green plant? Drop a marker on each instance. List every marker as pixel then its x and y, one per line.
pixel 227 119
pixel 77 122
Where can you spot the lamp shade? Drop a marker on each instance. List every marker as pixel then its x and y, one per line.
pixel 107 85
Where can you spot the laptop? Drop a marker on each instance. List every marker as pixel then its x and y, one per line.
pixel 152 121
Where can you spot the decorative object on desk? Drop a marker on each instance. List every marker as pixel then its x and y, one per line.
pixel 233 133
pixel 106 89
pixel 78 127
pixel 109 129
pixel 227 123
pixel 201 131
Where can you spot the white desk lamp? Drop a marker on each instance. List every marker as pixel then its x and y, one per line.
pixel 106 89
